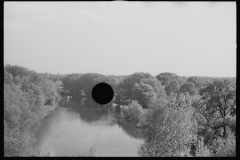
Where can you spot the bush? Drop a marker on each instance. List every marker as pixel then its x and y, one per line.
pixel 133 111
pixel 226 148
pixel 169 130
pixel 202 150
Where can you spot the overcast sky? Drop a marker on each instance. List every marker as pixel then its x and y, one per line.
pixel 120 38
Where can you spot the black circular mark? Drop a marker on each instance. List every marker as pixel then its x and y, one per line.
pixel 102 93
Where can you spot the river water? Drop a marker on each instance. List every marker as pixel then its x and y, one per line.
pixel 76 127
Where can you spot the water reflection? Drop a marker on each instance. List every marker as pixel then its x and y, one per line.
pixel 131 129
pixel 79 126
pixel 91 112
pixel 96 114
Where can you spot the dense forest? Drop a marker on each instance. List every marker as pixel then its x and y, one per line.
pixel 179 116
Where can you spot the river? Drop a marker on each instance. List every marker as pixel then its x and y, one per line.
pixel 76 127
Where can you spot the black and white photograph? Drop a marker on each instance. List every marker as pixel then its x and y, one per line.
pixel 119 78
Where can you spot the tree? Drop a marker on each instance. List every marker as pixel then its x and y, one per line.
pixel 198 83
pixel 169 129
pixel 70 85
pixel 113 81
pixel 166 77
pixel 8 78
pixel 86 82
pixel 188 87
pixel 172 87
pixel 226 147
pixel 133 111
pixel 25 93
pixel 218 106
pixel 156 85
pixel 17 70
pixel 126 86
pixel 19 122
pixel 144 94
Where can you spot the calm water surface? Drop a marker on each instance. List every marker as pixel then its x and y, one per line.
pixel 76 127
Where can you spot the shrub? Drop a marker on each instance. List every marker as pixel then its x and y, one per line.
pixel 202 150
pixel 226 148
pixel 169 130
pixel 133 111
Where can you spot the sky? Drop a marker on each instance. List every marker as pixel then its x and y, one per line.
pixel 121 38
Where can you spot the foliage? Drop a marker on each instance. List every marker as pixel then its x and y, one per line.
pixel 215 112
pixel 144 94
pixel 188 87
pixel 218 106
pixel 141 87
pixel 113 81
pixel 133 111
pixel 156 85
pixel 170 127
pixel 202 150
pixel 78 85
pixel 166 77
pixel 226 147
pixel 172 87
pixel 198 82
pixel 197 117
pixel 16 70
pixel 125 87
pixel 25 94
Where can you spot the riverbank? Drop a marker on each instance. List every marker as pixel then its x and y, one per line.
pixel 45 110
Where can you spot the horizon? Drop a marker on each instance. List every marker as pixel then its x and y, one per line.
pixel 115 74
pixel 122 38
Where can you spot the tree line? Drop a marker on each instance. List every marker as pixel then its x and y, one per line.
pixel 27 97
pixel 180 116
